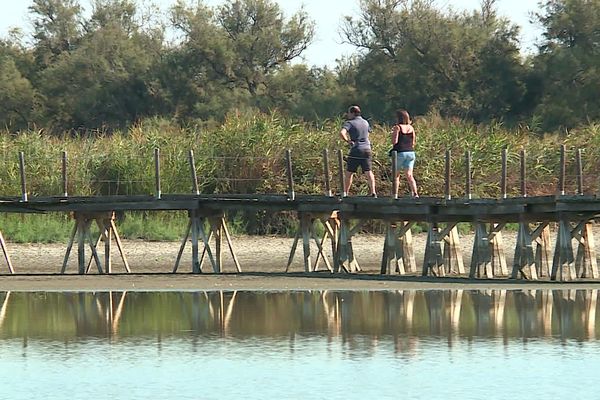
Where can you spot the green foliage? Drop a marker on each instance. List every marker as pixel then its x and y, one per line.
pixel 569 61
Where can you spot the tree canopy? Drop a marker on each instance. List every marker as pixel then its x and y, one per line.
pixel 117 63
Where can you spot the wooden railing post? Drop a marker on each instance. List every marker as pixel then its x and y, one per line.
pixel 326 173
pixel 157 172
pixel 193 172
pixel 22 172
pixel 394 173
pixel 563 169
pixel 64 174
pixel 523 173
pixel 468 174
pixel 290 176
pixel 448 174
pixel 503 189
pixel 341 173
pixel 579 173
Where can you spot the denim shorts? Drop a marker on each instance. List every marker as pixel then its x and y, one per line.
pixel 406 160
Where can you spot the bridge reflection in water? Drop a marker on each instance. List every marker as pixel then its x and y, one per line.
pixel 358 319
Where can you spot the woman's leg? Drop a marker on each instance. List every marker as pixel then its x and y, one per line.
pixel 411 182
pixel 397 178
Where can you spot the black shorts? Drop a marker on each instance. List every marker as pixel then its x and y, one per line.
pixel 362 158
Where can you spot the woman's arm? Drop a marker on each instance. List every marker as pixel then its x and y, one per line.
pixel 394 134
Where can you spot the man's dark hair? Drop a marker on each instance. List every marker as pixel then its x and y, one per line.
pixel 354 110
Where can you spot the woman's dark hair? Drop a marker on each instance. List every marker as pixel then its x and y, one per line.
pixel 403 117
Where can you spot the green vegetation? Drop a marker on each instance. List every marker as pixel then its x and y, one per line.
pixel 111 86
pixel 246 155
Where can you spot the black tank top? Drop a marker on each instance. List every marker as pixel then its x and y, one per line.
pixel 405 141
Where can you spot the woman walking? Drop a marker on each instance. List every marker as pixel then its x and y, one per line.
pixel 403 142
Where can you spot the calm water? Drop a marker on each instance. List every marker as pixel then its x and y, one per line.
pixel 320 344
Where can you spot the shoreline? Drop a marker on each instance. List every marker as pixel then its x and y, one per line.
pixel 268 282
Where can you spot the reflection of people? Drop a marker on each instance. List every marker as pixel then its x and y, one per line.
pixel 355 132
pixel 403 141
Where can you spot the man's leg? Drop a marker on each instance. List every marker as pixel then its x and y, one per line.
pixel 371 181
pixel 347 182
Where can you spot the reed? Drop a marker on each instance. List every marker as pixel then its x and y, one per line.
pixel 246 154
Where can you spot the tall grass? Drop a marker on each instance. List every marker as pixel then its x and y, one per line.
pixel 245 154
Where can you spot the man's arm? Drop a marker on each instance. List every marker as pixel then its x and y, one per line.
pixel 345 136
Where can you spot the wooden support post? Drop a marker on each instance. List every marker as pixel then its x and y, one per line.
pixel 488 251
pixel 307 232
pixel 523 173
pixel 481 260
pixel 326 174
pixel 468 174
pixel 586 264
pixel 217 228
pixel 530 263
pixel 22 173
pixel 579 173
pixel 433 262
pixel 194 175
pixel 452 254
pixel 5 252
pixel 398 255
pixel 563 253
pixel 108 231
pixel 64 175
pixel 448 175
pixel 345 253
pixel 306 223
pixel 440 261
pixel 524 260
pixel 503 185
pixel 341 173
pixel 81 229
pixel 394 174
pixel 290 174
pixel 541 236
pixel 157 172
pixel 563 169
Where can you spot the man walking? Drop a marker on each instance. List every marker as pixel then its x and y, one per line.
pixel 355 132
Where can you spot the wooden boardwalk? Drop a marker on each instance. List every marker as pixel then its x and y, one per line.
pixel 342 218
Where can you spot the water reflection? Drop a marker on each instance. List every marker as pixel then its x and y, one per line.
pixel 357 318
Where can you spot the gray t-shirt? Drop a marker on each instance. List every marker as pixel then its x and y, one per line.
pixel 358 129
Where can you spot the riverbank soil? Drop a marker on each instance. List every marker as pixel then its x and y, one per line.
pixel 263 261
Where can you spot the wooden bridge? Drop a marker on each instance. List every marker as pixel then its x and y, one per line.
pixel 342 217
